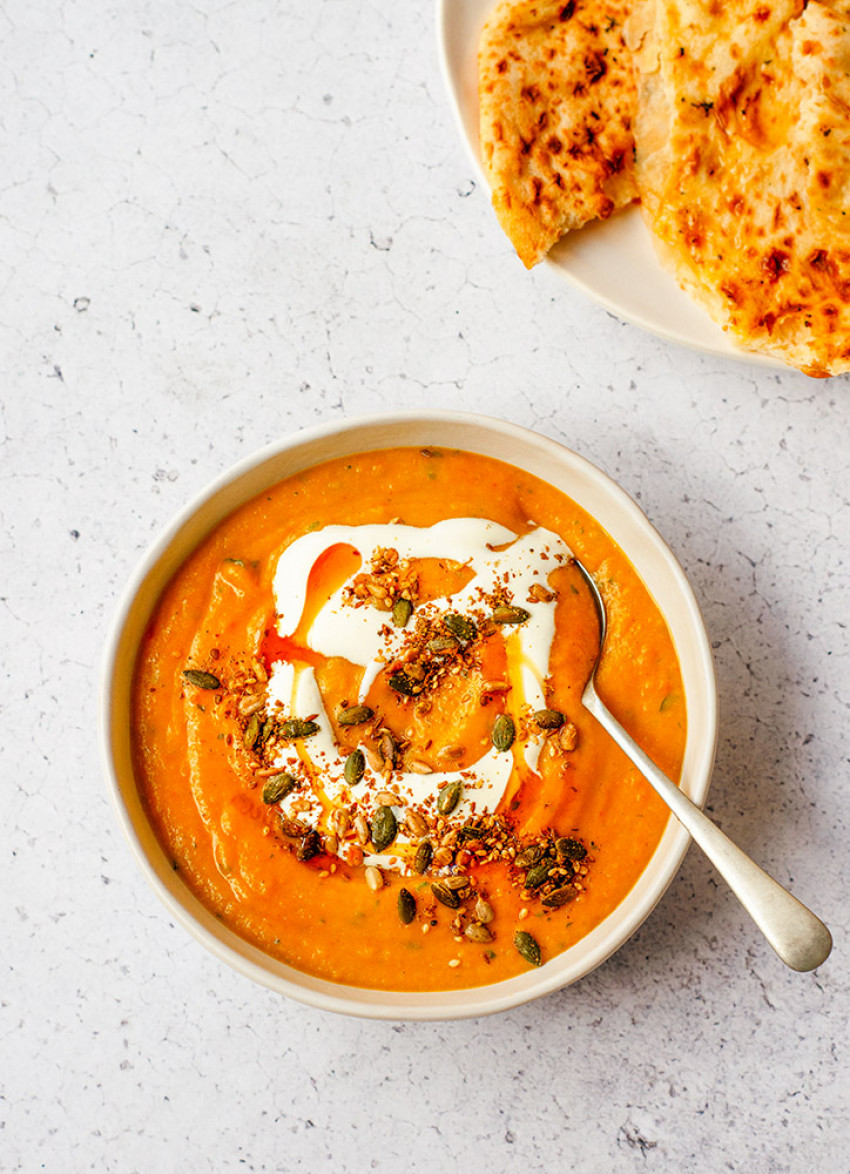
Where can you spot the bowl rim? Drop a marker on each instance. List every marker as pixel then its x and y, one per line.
pixel 249 960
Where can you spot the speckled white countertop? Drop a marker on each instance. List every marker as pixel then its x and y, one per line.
pixel 221 222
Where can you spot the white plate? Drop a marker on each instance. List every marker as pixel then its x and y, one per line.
pixel 613 262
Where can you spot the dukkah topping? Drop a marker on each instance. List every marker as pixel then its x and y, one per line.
pixel 550 870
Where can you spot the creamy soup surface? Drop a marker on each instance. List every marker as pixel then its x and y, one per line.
pixel 358 730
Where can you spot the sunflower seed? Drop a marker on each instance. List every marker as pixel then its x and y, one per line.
pixel 477 933
pixel 374 877
pixel 484 911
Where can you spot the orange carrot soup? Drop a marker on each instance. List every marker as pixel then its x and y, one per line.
pixel 358 730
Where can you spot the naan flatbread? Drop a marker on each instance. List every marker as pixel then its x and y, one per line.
pixel 743 165
pixel 557 101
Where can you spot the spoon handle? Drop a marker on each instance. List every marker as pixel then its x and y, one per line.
pixel 800 939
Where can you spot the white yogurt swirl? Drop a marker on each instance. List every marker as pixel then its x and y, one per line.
pixel 360 634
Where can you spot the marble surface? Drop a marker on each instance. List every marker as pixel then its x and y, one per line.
pixel 221 222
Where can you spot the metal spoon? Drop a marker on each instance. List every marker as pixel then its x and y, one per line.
pixel 800 939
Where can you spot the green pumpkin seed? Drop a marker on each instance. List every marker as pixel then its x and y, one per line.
pixel 527 947
pixel 504 732
pixel 384 828
pixel 461 626
pixel 536 875
pixel 422 859
pixel 278 787
pixel 406 906
pixel 445 895
pixel 252 732
pixel 309 847
pixel 559 897
pixel 355 767
pixel 530 855
pixel 402 611
pixel 296 728
pixel 442 644
pixel 548 719
pixel 449 797
pixel 507 614
pixel 201 680
pixel 570 850
pixel 355 715
pixel 403 684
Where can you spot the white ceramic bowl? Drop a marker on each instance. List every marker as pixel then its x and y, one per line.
pixel 592 490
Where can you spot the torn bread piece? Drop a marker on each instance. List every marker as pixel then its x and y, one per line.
pixel 557 103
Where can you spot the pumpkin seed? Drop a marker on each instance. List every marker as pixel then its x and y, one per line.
pixel 484 911
pixel 374 877
pixel 406 906
pixel 507 614
pixel 355 715
pixel 292 827
pixel 570 850
pixel 355 767
pixel 405 685
pixel 309 847
pixel 422 859
pixel 530 855
pixel 445 895
pixel 548 719
pixel 296 728
pixel 402 611
pixel 252 732
pixel 536 875
pixel 477 933
pixel 449 797
pixel 201 680
pixel 388 749
pixel 559 897
pixel 384 828
pixel 527 947
pixel 442 644
pixel 504 732
pixel 461 626
pixel 278 787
